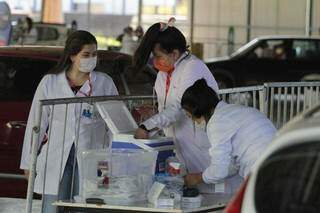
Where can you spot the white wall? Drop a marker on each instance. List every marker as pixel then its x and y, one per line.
pixel 269 17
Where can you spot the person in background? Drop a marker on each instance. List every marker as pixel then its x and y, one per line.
pixel 29 33
pixel 74 76
pixel 178 69
pixel 73 27
pixel 139 33
pixel 126 30
pixel 238 134
pixel 129 45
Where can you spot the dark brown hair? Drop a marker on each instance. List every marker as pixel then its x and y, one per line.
pixel 73 46
pixel 200 100
pixel 169 39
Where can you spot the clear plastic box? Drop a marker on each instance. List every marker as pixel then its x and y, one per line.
pixel 119 176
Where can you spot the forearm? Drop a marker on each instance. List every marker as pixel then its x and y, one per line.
pixel 164 118
pixel 215 173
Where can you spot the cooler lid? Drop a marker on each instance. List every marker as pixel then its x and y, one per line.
pixel 117 117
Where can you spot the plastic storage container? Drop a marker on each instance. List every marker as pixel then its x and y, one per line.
pixel 122 125
pixel 118 177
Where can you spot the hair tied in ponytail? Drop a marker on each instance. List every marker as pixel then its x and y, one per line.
pixel 201 83
pixel 171 22
pixel 164 26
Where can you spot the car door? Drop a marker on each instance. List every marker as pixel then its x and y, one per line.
pixel 266 62
pixel 305 62
pixel 19 78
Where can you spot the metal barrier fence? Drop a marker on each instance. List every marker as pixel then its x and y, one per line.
pixel 65 103
pixel 287 98
pixel 247 96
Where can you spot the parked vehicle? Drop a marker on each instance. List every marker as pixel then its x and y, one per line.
pixel 45 34
pixel 21 69
pixel 286 178
pixel 269 59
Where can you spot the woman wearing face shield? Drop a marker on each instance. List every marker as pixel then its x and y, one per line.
pixel 238 134
pixel 178 69
pixel 74 76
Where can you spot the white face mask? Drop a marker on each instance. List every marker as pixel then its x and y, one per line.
pixel 87 64
pixel 201 126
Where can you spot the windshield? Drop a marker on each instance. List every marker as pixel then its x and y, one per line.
pixel 244 48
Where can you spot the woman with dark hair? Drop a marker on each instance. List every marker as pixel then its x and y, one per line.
pixel 72 77
pixel 238 135
pixel 29 35
pixel 178 70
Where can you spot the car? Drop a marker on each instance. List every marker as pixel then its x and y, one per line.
pixel 21 69
pixel 269 59
pixel 48 34
pixel 286 177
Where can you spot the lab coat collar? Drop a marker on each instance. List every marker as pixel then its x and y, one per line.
pixel 87 86
pixel 182 57
pixel 62 78
pixel 93 76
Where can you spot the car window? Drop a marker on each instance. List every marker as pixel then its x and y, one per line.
pixel 47 33
pixel 19 77
pixel 306 49
pixel 288 181
pixel 138 83
pixel 270 49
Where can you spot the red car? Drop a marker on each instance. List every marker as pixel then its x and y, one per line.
pixel 21 69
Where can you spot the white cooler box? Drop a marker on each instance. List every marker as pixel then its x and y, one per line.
pixel 122 125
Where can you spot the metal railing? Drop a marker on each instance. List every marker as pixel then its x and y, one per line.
pixel 279 101
pixel 12 176
pixel 247 96
pixel 285 100
pixel 131 102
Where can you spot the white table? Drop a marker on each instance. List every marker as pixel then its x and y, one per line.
pixel 210 203
pixel 18 205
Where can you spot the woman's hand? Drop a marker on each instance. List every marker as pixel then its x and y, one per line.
pixel 141 134
pixel 193 179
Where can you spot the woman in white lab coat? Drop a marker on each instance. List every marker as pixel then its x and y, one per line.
pixel 238 134
pixel 178 69
pixel 72 77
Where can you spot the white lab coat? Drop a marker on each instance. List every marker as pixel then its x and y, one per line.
pixel 192 146
pixel 92 132
pixel 238 136
pixel 129 45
